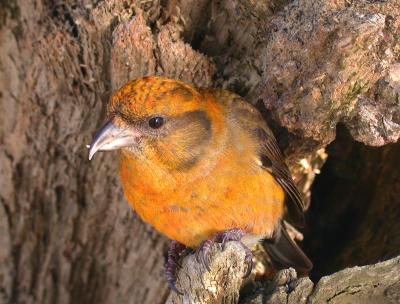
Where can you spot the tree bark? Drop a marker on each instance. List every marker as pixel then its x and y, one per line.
pixel 67 235
pixel 377 283
pixel 368 284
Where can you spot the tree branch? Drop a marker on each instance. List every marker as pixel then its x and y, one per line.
pixel 219 285
pixel 378 283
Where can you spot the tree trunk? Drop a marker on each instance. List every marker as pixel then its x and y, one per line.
pixel 68 236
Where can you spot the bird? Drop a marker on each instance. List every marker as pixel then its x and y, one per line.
pixel 202 166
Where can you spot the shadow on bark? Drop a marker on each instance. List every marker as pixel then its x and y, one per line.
pixel 353 219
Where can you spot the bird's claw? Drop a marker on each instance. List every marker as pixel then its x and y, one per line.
pixel 172 264
pixel 248 260
pixel 203 253
pixel 235 234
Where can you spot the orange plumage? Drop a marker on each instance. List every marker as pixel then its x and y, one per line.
pixel 195 162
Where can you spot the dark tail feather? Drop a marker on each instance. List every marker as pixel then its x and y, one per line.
pixel 285 253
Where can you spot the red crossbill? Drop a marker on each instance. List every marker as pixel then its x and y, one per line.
pixel 201 165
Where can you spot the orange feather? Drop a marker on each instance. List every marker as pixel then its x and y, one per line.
pixel 224 189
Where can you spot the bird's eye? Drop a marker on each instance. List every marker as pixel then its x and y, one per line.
pixel 156 122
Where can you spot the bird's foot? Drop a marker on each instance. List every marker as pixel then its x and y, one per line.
pixel 174 253
pixel 235 234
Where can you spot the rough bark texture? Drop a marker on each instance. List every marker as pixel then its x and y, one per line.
pixel 377 283
pixel 339 57
pixel 67 236
pixel 369 284
pixel 219 285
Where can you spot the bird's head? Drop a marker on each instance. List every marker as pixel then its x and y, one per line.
pixel 156 118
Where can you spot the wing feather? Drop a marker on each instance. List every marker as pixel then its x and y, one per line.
pixel 273 161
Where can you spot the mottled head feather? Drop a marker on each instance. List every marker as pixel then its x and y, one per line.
pixel 154 95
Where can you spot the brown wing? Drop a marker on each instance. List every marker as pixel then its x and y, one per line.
pixel 273 161
pixel 270 155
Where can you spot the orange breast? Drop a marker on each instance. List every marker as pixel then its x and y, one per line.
pixel 233 194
